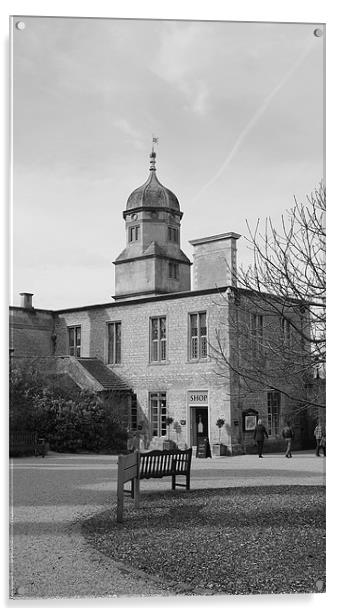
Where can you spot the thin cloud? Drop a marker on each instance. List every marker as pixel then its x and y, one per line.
pixel 200 100
pixel 254 119
pixel 131 134
pixel 179 62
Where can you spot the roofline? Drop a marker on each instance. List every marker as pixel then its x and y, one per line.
pixel 150 208
pixel 215 238
pixel 32 309
pixel 159 298
pixel 144 300
pixel 153 255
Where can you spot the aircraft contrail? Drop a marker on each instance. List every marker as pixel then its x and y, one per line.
pixel 255 118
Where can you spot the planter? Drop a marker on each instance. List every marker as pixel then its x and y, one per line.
pixel 219 450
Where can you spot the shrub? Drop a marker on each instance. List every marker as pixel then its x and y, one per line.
pixel 220 423
pixel 69 422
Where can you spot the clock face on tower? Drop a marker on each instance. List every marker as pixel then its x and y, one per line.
pixel 134 216
pixel 154 214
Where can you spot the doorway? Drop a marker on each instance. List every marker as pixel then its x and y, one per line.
pixel 199 423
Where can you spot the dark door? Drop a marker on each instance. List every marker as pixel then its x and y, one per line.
pixel 199 423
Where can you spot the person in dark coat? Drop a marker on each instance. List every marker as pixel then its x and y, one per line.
pixel 288 435
pixel 320 437
pixel 260 433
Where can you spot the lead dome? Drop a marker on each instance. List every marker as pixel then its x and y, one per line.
pixel 152 193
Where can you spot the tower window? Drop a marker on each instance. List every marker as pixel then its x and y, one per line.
pixel 173 234
pixel 173 270
pixel 134 234
pixel 74 341
pixel 114 331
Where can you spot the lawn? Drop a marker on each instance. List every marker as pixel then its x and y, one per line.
pixel 230 541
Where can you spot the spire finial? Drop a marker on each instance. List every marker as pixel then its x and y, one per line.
pixel 153 154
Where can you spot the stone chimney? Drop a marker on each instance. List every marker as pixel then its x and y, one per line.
pixel 26 301
pixel 215 261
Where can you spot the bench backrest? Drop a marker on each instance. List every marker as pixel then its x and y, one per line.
pixel 156 464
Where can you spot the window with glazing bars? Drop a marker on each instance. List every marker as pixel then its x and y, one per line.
pixel 198 335
pixel 133 418
pixel 157 339
pixel 172 234
pixel 114 342
pixel 273 406
pixel 256 334
pixel 74 341
pixel 173 270
pixel 133 234
pixel 286 332
pixel 158 413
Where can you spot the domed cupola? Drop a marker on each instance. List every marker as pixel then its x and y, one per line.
pixel 152 194
pixel 152 262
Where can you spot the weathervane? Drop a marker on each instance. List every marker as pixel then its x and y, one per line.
pixel 154 140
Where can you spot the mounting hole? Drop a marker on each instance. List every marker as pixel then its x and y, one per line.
pixel 318 32
pixel 20 25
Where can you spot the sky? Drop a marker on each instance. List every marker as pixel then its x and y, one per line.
pixel 238 109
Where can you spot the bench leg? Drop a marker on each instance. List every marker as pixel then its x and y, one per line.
pixel 187 486
pixel 120 499
pixel 173 481
pixel 136 492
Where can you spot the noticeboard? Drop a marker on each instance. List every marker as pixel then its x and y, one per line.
pixel 249 420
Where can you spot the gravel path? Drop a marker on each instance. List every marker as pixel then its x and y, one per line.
pixel 49 556
pixel 52 497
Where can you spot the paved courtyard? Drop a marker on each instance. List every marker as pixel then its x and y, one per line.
pixel 50 496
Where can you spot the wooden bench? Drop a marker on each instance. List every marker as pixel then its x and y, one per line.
pixel 151 465
pixel 157 464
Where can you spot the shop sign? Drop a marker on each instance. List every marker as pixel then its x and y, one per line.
pixel 197 398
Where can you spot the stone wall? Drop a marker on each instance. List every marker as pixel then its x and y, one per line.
pixel 227 396
pixel 31 332
pixel 177 375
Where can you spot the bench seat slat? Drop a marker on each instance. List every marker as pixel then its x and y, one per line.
pixel 157 464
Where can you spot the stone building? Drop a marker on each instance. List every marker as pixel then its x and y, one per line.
pixel 157 349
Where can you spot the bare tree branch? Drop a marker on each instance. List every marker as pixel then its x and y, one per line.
pixel 285 347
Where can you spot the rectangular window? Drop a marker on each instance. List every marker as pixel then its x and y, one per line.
pixel 134 416
pixel 158 339
pixel 256 334
pixel 133 234
pixel 173 234
pixel 286 332
pixel 273 406
pixel 114 337
pixel 173 270
pixel 198 347
pixel 158 413
pixel 74 341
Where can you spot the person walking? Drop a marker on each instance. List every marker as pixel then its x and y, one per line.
pixel 320 437
pixel 323 443
pixel 288 435
pixel 260 433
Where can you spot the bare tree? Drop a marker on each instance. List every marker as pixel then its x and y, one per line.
pixel 276 318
